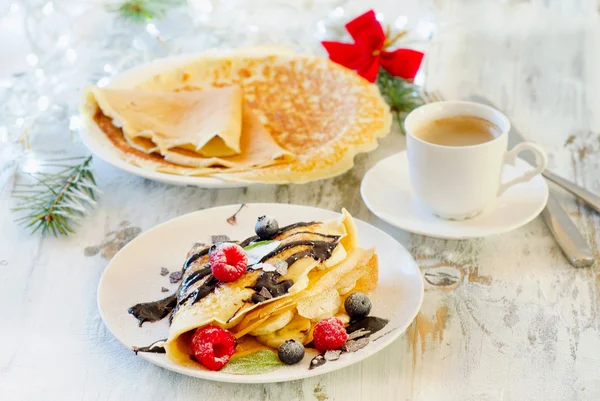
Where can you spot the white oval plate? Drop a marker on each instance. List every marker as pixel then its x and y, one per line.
pixel 386 191
pixel 100 145
pixel 133 276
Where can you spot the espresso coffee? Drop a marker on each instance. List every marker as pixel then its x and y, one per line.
pixel 458 131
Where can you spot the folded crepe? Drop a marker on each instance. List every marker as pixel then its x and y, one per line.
pixel 206 123
pixel 165 131
pixel 320 111
pixel 324 265
pixel 257 148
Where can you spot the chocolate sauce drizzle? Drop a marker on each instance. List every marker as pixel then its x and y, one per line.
pixel 157 310
pixel 205 288
pixel 152 348
pixel 193 258
pixel 371 324
pixel 153 311
pixel 320 250
pixel 332 236
pixel 192 279
pixel 295 225
pixel 269 280
pixel 281 230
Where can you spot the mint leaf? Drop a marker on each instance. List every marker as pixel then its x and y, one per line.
pixel 263 361
pixel 259 243
pixel 258 250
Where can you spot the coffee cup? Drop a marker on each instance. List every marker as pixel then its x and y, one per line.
pixel 460 180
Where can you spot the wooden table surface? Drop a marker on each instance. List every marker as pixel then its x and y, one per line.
pixel 504 318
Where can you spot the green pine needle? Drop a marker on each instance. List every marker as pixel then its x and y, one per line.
pixel 401 95
pixel 57 200
pixel 140 11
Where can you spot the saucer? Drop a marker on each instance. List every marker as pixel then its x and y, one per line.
pixel 386 191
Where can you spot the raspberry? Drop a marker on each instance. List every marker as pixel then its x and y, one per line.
pixel 329 334
pixel 228 262
pixel 213 346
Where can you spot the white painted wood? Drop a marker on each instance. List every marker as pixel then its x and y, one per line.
pixel 506 318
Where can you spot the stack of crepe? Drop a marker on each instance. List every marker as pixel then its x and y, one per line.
pixel 194 132
pixel 318 290
pixel 265 117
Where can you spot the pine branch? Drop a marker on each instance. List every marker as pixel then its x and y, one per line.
pixel 140 11
pixel 56 201
pixel 401 95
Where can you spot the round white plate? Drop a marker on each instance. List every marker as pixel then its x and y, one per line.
pixel 100 145
pixel 386 191
pixel 133 276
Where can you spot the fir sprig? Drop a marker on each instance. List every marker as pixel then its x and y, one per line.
pixel 401 95
pixel 145 10
pixel 58 198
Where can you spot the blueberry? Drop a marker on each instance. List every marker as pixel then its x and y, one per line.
pixel 357 305
pixel 266 227
pixel 290 352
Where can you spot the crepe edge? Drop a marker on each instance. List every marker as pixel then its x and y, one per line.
pixel 342 166
pixel 88 108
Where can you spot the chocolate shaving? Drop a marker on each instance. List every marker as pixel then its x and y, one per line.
pixel 270 281
pixel 281 267
pixel 358 334
pixel 266 267
pixel 317 361
pixel 355 345
pixel 265 293
pixel 256 299
pixel 219 238
pixel 175 277
pixel 164 289
pixel 333 355
pixel 164 271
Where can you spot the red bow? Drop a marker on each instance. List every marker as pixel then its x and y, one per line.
pixel 368 52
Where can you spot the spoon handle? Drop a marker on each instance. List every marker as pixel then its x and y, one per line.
pixel 588 197
pixel 566 234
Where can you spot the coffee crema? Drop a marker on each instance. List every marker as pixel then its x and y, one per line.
pixel 458 131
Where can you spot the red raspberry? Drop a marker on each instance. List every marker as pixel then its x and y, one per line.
pixel 213 346
pixel 329 334
pixel 228 262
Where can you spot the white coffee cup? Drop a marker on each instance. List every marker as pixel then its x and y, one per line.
pixel 459 182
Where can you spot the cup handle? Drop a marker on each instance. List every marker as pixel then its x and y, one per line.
pixel 541 160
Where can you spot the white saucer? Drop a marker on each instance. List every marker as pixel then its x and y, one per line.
pixel 386 191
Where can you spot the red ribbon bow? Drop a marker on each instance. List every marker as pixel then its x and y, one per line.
pixel 368 52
